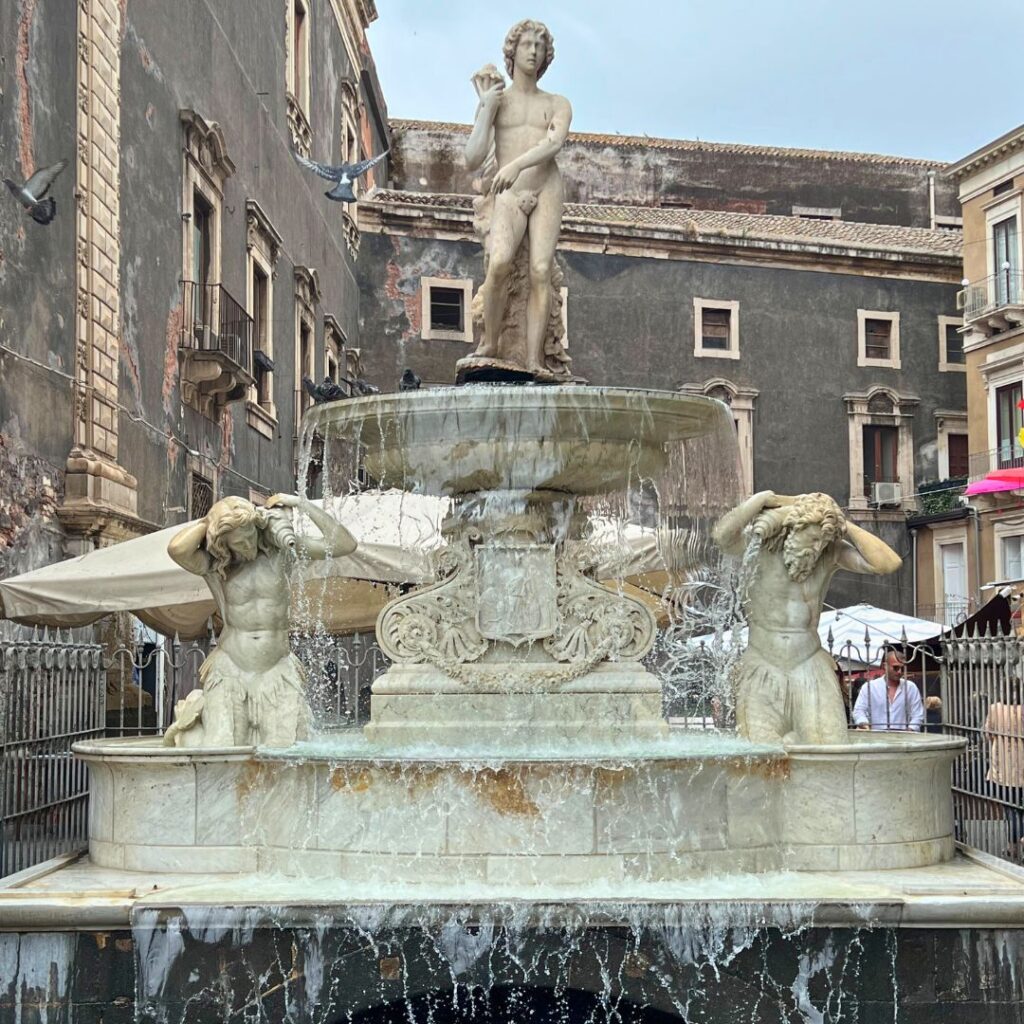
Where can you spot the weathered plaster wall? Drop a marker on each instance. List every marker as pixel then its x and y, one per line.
pixel 226 61
pixel 37 287
pixel 645 172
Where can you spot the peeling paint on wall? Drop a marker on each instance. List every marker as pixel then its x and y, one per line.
pixel 174 322
pixel 30 490
pixel 22 57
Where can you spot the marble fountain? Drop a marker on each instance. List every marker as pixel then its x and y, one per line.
pixel 517 831
pixel 518 737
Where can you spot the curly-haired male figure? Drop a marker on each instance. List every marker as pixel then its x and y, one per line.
pixel 253 686
pixel 786 685
pixel 527 127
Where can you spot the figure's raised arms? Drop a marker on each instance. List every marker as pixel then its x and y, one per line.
pixel 335 542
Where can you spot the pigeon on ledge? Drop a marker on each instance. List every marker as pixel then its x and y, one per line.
pixel 343 175
pixel 409 381
pixel 32 195
pixel 328 391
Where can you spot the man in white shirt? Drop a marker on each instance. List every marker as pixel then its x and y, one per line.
pixel 889 702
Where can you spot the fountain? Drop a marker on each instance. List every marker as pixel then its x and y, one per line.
pixel 517 815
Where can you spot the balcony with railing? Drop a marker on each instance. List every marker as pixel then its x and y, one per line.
pixel 1008 455
pixel 215 347
pixel 995 303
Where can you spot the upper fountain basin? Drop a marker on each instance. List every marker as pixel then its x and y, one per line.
pixel 579 440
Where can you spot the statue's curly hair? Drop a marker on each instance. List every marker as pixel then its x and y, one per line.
pixel 226 516
pixel 512 41
pixel 808 509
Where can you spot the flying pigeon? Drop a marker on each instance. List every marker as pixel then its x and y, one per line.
pixel 31 194
pixel 409 381
pixel 343 175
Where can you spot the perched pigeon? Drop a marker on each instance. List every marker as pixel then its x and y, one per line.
pixel 328 391
pixel 409 381
pixel 31 194
pixel 364 387
pixel 343 175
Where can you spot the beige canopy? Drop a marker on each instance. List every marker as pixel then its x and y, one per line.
pixel 398 535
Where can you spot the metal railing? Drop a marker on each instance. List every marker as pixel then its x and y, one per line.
pixel 52 694
pixel 1009 455
pixel 55 691
pixel 987 296
pixel 948 613
pixel 982 702
pixel 212 321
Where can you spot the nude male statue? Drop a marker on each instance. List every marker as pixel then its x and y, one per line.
pixel 786 684
pixel 527 127
pixel 253 687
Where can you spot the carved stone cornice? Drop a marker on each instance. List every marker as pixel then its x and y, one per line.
pixel 206 147
pixel 307 286
pixel 260 233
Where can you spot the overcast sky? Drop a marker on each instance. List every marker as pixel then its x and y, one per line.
pixel 928 78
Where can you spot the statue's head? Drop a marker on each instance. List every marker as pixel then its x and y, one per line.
pixel 531 45
pixel 234 532
pixel 803 531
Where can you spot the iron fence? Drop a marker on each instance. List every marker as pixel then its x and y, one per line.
pixel 992 293
pixel 1009 455
pixel 982 702
pixel 52 694
pixel 213 321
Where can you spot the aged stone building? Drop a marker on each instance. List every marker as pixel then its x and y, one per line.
pixel 154 336
pixel 815 292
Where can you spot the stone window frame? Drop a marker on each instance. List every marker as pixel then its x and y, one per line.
pixel 427 333
pixel 1002 531
pixel 298 96
pixel 334 339
pixel 947 421
pixel 859 416
pixel 944 365
pixel 263 248
pixel 206 469
pixel 863 315
pixel 206 167
pixel 307 297
pixel 742 401
pixel 998 370
pixel 1003 208
pixel 733 351
pixel 941 539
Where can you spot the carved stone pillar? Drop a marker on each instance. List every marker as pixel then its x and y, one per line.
pixel 100 499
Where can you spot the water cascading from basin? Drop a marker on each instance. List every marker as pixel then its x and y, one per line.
pixel 551 490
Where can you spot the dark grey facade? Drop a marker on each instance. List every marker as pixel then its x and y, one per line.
pixel 227 63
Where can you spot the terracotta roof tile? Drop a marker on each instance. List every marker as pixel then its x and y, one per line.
pixel 696 145
pixel 712 225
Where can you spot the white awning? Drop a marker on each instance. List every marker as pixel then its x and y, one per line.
pixel 398 534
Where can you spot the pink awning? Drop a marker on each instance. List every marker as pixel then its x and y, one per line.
pixel 993 485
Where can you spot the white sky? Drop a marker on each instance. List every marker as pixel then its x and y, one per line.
pixel 928 78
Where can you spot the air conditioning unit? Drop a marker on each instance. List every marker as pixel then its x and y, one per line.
pixel 961 299
pixel 883 494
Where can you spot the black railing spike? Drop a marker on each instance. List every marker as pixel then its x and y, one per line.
pixel 903 637
pixel 831 639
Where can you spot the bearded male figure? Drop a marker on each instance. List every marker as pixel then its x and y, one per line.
pixel 523 128
pixel 253 687
pixel 786 683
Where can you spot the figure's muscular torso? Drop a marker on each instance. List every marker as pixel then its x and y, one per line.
pixel 522 121
pixel 784 630
pixel 255 611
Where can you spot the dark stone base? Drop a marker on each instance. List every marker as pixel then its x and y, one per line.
pixel 378 965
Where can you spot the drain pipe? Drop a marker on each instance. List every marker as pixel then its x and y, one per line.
pixel 977 556
pixel 931 198
pixel 913 573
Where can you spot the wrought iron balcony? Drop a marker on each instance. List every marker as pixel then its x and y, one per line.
pixel 216 347
pixel 996 303
pixel 1008 455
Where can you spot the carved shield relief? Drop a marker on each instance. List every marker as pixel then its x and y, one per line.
pixel 516 592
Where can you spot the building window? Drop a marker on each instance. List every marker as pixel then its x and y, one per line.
pixel 951 344
pixel 878 338
pixel 263 245
pixel 446 309
pixel 818 212
pixel 1011 560
pixel 958 455
pixel 1008 423
pixel 300 53
pixel 334 351
pixel 881 444
pixel 951 438
pixel 307 295
pixel 951 590
pixel 202 240
pixel 200 495
pixel 943 223
pixel 881 457
pixel 716 329
pixel 741 401
pixel 1003 187
pixel 262 343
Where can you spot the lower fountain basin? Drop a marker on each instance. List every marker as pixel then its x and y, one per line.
pixel 674 809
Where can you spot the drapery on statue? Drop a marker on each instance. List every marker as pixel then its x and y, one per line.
pixel 516 135
pixel 786 683
pixel 253 687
